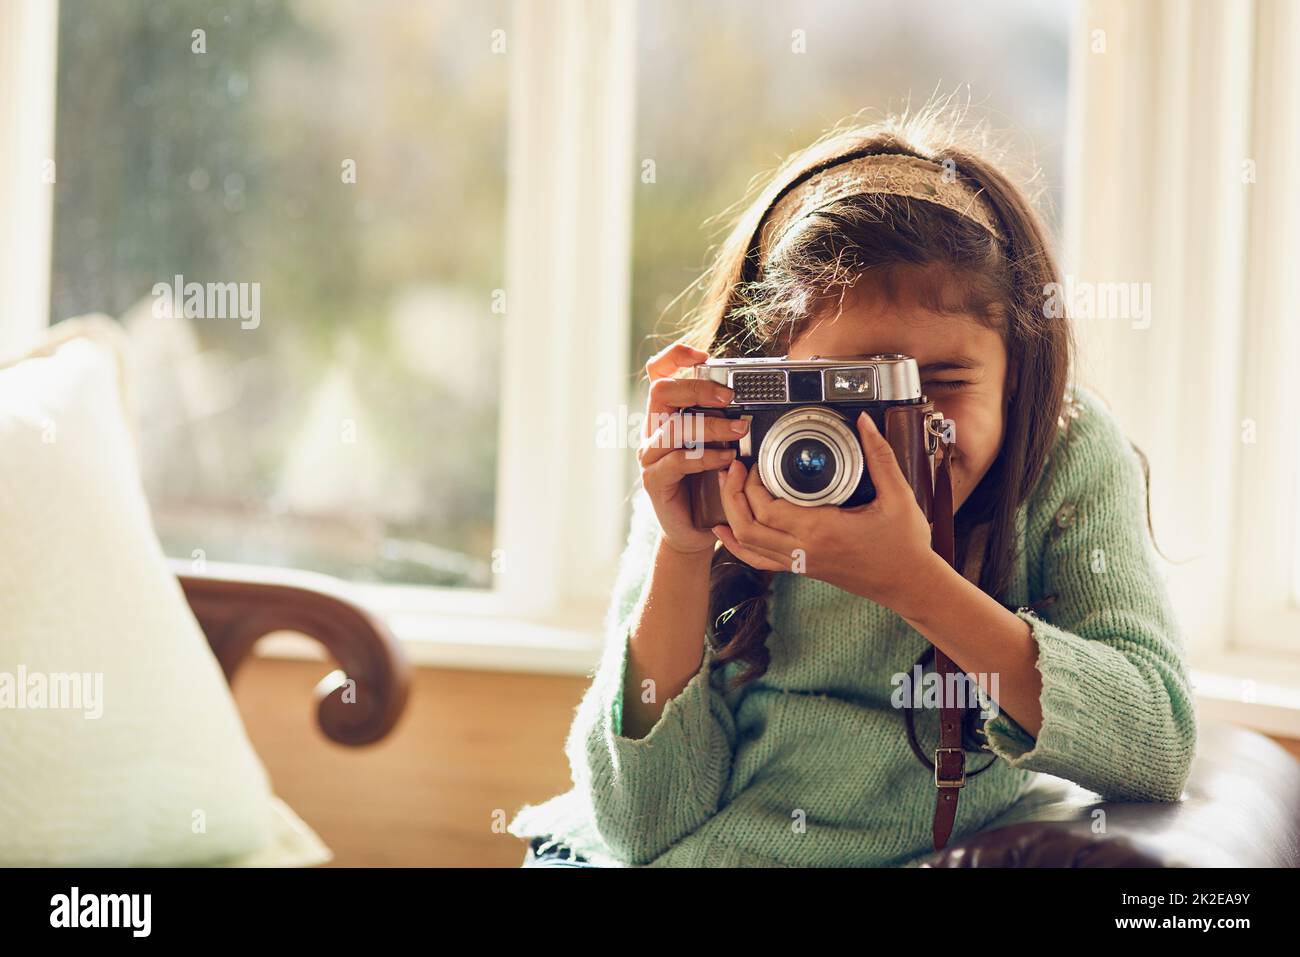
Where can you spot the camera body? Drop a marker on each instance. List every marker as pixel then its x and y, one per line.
pixel 803 435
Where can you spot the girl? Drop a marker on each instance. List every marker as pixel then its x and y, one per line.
pixel 744 712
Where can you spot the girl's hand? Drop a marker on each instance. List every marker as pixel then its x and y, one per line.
pixel 668 451
pixel 878 550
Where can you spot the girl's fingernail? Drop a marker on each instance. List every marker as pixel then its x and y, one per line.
pixel 739 425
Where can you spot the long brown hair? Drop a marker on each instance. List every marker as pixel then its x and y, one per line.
pixel 751 307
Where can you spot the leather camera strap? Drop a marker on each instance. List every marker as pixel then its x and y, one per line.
pixel 949 756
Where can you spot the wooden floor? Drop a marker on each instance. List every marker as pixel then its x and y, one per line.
pixel 472 748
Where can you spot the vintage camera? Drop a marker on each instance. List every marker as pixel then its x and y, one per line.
pixel 803 435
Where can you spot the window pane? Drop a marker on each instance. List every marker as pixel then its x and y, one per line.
pixel 723 95
pixel 343 160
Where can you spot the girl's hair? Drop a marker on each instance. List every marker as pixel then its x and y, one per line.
pixel 750 308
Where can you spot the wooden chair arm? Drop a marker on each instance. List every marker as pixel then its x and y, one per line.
pixel 235 610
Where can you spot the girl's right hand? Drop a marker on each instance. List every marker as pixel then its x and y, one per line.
pixel 666 453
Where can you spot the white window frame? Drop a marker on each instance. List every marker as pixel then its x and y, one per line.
pixel 1185 94
pixel 28 49
pixel 568 266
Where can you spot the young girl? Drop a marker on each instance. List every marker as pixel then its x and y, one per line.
pixel 745 712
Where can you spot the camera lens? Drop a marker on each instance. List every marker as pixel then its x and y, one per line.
pixel 810 457
pixel 808 465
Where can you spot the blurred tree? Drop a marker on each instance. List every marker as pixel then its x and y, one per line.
pixel 340 154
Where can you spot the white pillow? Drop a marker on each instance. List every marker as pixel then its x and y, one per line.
pixel 165 775
pixel 293 843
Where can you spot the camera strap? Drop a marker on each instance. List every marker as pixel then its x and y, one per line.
pixel 949 756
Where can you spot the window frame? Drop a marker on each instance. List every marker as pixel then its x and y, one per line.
pixel 28 51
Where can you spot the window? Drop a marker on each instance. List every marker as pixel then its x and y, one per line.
pixel 337 170
pixel 1192 193
pixel 455 256
pixel 1267 496
pixel 1182 122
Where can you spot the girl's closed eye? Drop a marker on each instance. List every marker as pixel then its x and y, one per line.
pixel 949 384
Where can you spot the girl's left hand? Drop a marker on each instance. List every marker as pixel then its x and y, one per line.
pixel 878 550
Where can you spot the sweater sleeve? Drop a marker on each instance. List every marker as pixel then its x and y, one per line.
pixel 1118 711
pixel 648 793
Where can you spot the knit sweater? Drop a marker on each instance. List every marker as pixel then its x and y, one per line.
pixel 810 765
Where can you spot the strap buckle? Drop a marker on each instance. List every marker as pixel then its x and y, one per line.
pixel 948 782
pixel 934 431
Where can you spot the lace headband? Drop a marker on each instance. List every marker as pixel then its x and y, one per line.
pixel 893 173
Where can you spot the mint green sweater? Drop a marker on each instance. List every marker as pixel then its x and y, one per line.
pixel 810 765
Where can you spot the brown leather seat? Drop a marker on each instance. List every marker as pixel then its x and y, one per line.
pixel 1241 808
